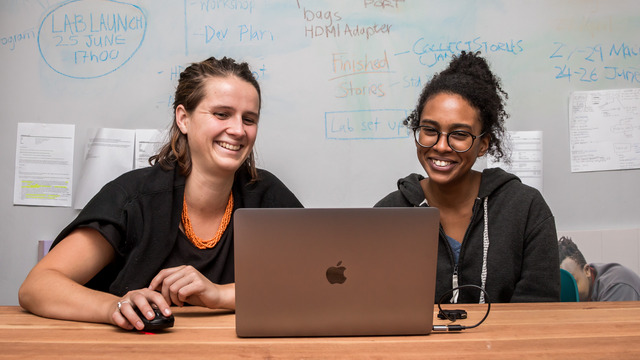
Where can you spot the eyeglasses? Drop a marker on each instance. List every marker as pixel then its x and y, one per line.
pixel 458 140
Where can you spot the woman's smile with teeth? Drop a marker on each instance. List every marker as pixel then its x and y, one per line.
pixel 441 162
pixel 229 146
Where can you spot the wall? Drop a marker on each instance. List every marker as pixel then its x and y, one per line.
pixel 337 79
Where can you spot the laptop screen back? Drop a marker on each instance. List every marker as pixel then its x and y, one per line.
pixel 332 272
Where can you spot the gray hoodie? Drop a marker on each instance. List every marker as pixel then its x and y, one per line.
pixel 510 247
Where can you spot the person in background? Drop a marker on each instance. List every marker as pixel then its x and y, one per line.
pixel 495 232
pixel 163 235
pixel 598 282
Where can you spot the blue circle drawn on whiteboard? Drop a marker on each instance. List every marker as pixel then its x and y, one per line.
pixel 86 39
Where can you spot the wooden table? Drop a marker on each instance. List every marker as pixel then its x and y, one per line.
pixel 512 331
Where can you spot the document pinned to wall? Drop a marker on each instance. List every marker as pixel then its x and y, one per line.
pixel 148 143
pixel 526 158
pixel 109 154
pixel 44 164
pixel 604 130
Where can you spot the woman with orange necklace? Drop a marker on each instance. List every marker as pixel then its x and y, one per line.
pixel 163 235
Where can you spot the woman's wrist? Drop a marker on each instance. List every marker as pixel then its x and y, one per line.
pixel 226 296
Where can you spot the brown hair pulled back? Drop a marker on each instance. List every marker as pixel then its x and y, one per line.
pixel 189 93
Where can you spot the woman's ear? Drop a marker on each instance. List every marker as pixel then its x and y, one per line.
pixel 484 144
pixel 182 118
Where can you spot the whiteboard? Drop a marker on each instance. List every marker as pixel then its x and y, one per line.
pixel 338 77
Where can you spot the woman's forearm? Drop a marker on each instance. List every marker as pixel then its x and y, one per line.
pixel 51 294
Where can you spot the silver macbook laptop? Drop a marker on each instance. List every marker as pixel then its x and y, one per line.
pixel 335 272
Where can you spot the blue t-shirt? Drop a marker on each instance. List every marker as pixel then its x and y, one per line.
pixel 455 247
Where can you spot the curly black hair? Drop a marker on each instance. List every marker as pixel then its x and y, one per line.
pixel 568 249
pixel 469 76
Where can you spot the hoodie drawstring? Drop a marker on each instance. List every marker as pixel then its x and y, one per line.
pixel 485 252
pixel 485 249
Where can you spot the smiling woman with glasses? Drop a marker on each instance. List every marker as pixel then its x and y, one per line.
pixel 495 232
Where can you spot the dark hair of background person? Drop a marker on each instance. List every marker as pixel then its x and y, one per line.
pixel 189 92
pixel 568 249
pixel 469 76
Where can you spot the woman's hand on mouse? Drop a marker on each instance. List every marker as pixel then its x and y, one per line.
pixel 126 317
pixel 184 284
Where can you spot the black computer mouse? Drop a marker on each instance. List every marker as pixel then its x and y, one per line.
pixel 158 323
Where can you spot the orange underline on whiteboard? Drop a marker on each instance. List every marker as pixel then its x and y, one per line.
pixel 361 73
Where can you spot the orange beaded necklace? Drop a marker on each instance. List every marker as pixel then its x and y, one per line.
pixel 188 229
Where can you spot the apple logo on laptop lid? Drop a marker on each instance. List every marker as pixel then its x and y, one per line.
pixel 335 274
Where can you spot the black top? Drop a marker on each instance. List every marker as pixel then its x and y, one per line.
pixel 522 257
pixel 139 214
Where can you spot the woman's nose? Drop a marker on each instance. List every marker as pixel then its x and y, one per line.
pixel 235 125
pixel 442 144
